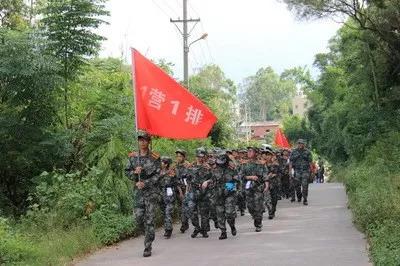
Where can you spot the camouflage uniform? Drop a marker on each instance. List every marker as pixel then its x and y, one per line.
pixel 241 195
pixel 199 199
pixel 300 160
pixel 284 176
pixel 145 199
pixel 255 190
pixel 169 184
pixel 274 183
pixel 183 176
pixel 225 179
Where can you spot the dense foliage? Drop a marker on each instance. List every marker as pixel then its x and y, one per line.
pixel 266 95
pixel 67 126
pixel 354 119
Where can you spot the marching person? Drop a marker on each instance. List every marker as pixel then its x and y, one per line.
pixel 300 162
pixel 256 184
pixel 283 161
pixel 169 189
pixel 272 168
pixel 144 169
pixel 225 178
pixel 182 172
pixel 198 186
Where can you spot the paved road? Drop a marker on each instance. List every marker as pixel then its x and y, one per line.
pixel 319 234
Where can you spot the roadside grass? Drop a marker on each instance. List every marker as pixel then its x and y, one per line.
pixel 373 188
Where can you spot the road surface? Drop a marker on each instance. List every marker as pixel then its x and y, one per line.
pixel 319 234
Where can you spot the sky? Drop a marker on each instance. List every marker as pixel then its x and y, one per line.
pixel 243 36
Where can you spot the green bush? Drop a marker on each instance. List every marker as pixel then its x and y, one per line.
pixel 385 243
pixel 14 248
pixel 109 226
pixel 373 187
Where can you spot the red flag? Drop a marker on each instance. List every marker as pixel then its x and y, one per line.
pixel 281 140
pixel 165 108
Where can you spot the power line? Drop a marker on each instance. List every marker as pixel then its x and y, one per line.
pixel 186 44
pixel 170 8
pixel 193 9
pixel 160 8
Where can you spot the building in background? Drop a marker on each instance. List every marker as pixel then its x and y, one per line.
pixel 257 130
pixel 300 104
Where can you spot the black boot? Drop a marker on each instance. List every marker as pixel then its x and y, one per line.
pixel 258 225
pixel 195 233
pixel 292 199
pixel 223 236
pixel 204 234
pixel 168 234
pixel 147 252
pixel 305 202
pixel 184 228
pixel 233 228
pixel 241 212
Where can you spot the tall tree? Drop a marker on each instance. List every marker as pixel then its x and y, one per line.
pixel 28 82
pixel 12 14
pixel 266 96
pixel 69 26
pixel 212 86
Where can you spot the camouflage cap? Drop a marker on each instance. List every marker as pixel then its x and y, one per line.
pixel 301 141
pixel 222 157
pixel 143 135
pixel 180 151
pixel 166 159
pixel 211 161
pixel 267 151
pixel 201 152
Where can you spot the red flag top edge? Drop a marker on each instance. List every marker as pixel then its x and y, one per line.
pixel 165 108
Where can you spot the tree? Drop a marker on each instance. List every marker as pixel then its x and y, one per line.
pixel 351 109
pixel 379 17
pixel 28 82
pixel 219 93
pixel 12 14
pixel 266 96
pixel 69 26
pixel 296 127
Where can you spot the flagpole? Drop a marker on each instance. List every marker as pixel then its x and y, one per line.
pixel 135 107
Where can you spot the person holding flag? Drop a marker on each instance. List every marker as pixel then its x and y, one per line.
pixel 143 169
pixel 163 108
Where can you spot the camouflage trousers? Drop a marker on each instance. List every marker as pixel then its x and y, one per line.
pixel 145 208
pixel 226 210
pixel 271 198
pixel 185 211
pixel 199 206
pixel 285 187
pixel 300 183
pixel 255 204
pixel 212 207
pixel 268 201
pixel 167 209
pixel 241 201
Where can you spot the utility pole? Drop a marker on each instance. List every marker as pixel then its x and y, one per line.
pixel 185 34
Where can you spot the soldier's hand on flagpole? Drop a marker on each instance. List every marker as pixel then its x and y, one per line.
pixel 140 185
pixel 138 170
